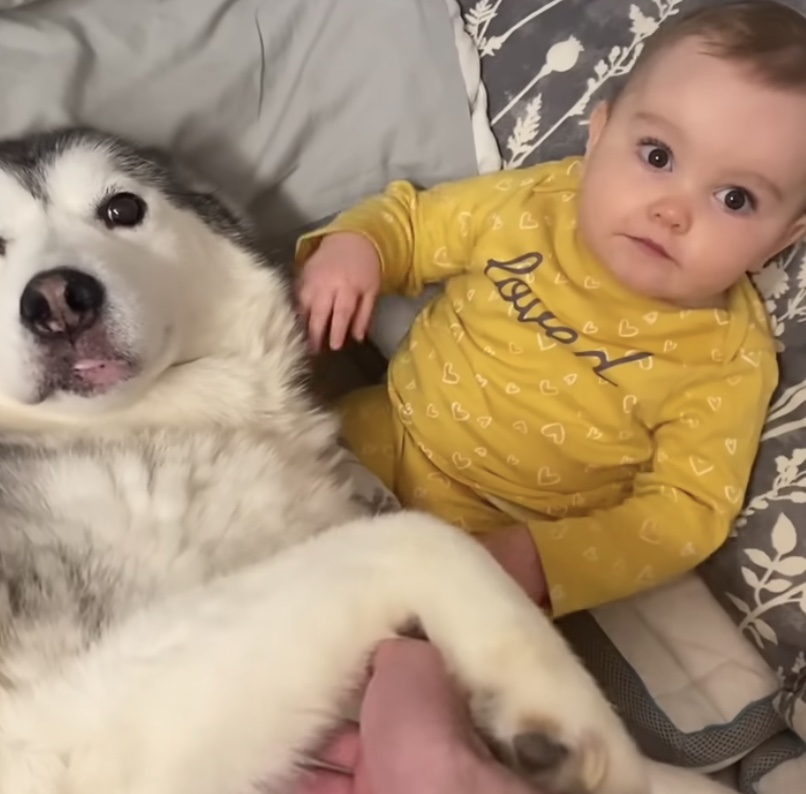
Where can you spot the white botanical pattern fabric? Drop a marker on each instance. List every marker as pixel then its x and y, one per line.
pixel 545 64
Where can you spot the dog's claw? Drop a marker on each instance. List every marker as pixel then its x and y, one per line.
pixel 536 753
pixel 540 758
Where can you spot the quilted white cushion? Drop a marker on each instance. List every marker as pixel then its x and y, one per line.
pixel 697 669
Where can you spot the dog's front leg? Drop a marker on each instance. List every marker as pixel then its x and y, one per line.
pixel 227 687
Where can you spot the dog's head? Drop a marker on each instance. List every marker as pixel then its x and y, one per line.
pixel 110 267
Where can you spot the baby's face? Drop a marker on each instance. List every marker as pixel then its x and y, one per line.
pixel 697 176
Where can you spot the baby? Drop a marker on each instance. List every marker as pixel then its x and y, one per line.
pixel 591 382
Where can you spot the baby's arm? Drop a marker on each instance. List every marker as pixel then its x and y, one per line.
pixel 681 510
pixel 423 236
pixel 514 550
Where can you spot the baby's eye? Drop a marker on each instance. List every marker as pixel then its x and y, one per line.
pixel 655 154
pixel 737 199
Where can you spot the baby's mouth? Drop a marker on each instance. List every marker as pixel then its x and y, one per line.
pixel 650 246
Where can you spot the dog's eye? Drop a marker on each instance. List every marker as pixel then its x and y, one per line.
pixel 122 209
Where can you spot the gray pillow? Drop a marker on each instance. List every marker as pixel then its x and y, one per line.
pixel 778 765
pixel 296 107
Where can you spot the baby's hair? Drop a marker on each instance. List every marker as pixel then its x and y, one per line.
pixel 766 37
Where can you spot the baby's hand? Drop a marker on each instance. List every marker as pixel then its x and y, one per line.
pixel 339 284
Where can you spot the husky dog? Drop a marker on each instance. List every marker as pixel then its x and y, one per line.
pixel 188 593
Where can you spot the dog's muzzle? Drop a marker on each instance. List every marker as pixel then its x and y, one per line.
pixel 64 310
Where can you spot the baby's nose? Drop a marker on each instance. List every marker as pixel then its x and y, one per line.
pixel 672 212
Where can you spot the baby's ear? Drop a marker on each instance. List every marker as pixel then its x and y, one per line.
pixel 797 231
pixel 596 125
pixel 794 235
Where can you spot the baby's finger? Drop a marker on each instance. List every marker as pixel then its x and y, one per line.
pixel 343 310
pixel 363 315
pixel 304 303
pixel 318 319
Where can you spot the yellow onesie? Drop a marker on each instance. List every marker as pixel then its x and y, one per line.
pixel 537 388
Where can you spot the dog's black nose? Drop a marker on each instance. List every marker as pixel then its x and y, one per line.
pixel 61 302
